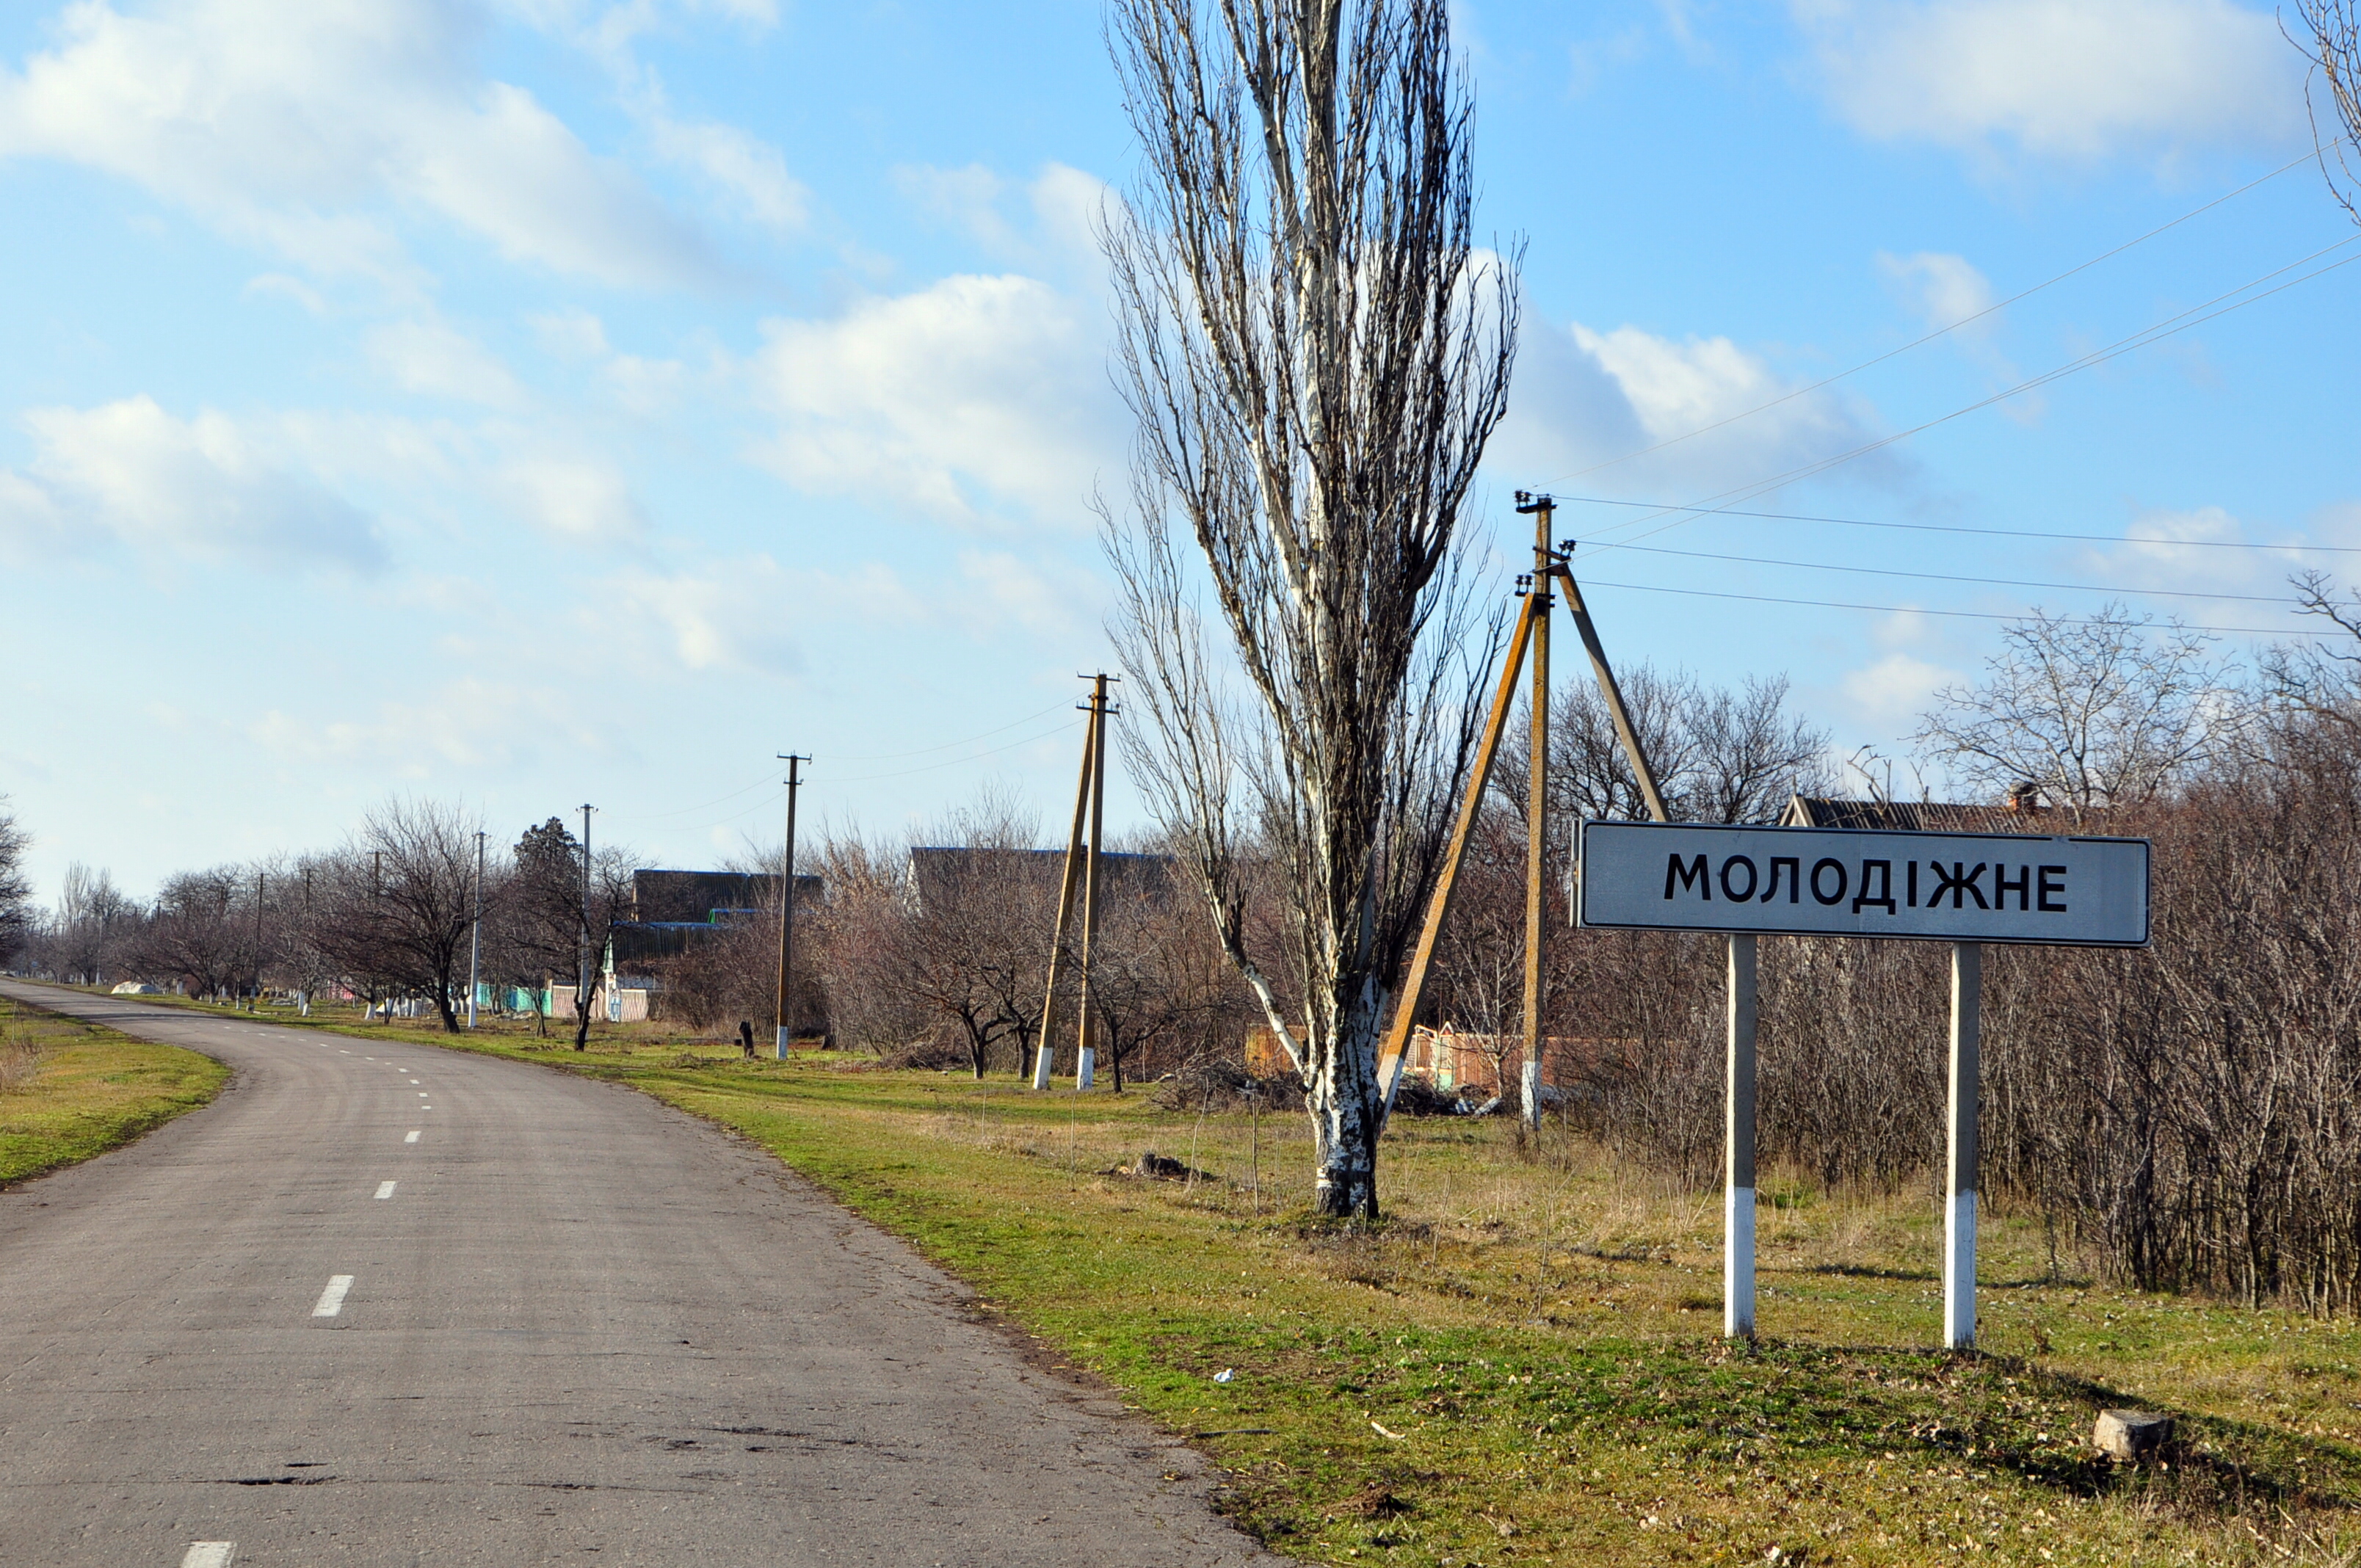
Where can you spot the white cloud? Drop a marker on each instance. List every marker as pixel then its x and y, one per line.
pixel 288 124
pixel 1048 223
pixel 976 396
pixel 430 358
pixel 1895 689
pixel 468 723
pixel 1946 292
pixel 2070 80
pixel 1949 294
pixel 1585 398
pixel 750 174
pixel 744 616
pixel 205 489
pixel 573 496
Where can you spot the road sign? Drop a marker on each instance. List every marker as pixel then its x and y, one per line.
pixel 2064 891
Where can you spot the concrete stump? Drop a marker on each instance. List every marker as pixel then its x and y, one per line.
pixel 2131 1436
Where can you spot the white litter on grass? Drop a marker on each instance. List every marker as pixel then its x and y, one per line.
pixel 1224 1375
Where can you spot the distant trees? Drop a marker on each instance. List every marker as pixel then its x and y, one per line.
pixel 2108 710
pixel 423 853
pixel 560 912
pixel 15 887
pixel 1721 754
pixel 205 929
pixel 91 927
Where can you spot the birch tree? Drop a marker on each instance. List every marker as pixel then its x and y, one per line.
pixel 1315 352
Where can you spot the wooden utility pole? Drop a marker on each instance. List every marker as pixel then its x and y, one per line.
pixel 1085 1056
pixel 1044 1053
pixel 1537 807
pixel 582 993
pixel 787 907
pixel 1550 567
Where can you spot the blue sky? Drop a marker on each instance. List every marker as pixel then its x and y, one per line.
pixel 547 401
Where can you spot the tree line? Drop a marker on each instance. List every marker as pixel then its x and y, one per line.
pixel 393 914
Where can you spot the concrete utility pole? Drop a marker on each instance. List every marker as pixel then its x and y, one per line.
pixel 475 931
pixel 1045 1054
pixel 787 907
pixel 258 942
pixel 1537 807
pixel 582 979
pixel 1086 1056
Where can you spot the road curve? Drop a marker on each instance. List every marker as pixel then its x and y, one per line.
pixel 577 1327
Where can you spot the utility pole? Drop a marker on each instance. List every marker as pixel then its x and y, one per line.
pixel 582 979
pixel 258 942
pixel 1532 622
pixel 1086 1057
pixel 787 907
pixel 476 934
pixel 1045 1054
pixel 1537 805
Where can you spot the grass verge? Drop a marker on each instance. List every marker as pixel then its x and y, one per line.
pixel 1522 1363
pixel 70 1090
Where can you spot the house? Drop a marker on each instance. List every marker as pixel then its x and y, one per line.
pixel 705 898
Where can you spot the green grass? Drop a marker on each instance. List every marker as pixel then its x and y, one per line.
pixel 1523 1362
pixel 70 1090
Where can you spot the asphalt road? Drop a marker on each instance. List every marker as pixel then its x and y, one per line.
pixel 386 1304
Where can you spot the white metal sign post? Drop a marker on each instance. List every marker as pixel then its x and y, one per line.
pixel 1964 888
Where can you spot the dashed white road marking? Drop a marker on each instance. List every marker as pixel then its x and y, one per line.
pixel 332 1299
pixel 413 1135
pixel 385 1190
pixel 210 1554
pixel 413 1081
pixel 424 1095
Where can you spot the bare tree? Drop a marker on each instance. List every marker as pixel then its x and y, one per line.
pixel 88 929
pixel 1315 355
pixel 203 931
pixel 426 900
pixel 2334 42
pixel 561 914
pixel 976 910
pixel 1721 754
pixel 15 888
pixel 2111 711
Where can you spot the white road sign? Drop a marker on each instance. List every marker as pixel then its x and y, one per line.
pixel 1818 882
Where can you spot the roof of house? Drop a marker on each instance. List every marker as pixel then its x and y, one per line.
pixel 933 869
pixel 1917 815
pixel 665 897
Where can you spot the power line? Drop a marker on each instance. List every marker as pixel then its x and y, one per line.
pixel 1956 528
pixel 1939 331
pixel 2154 332
pixel 1947 576
pixel 1921 609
